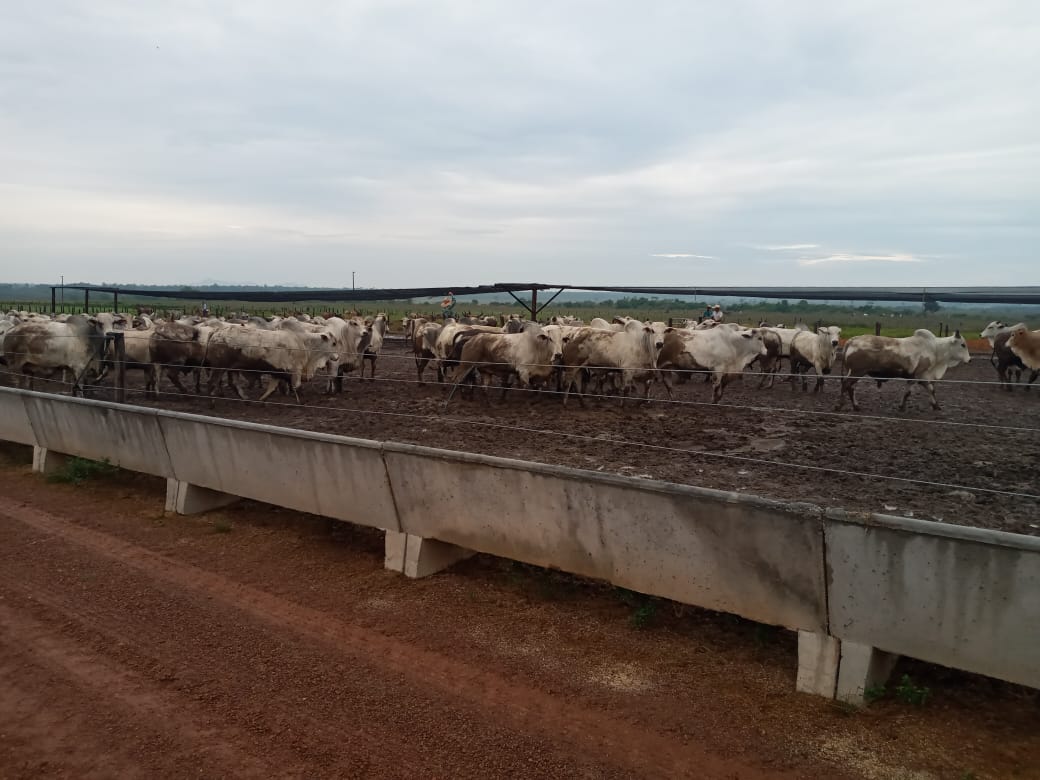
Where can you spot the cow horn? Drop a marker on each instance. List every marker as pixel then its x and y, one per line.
pixel 957 333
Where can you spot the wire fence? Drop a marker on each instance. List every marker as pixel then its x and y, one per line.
pixel 297 357
pixel 528 364
pixel 600 440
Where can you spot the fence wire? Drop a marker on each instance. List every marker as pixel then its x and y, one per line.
pixel 601 439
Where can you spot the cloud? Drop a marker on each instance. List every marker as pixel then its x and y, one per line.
pixel 675 255
pixel 847 257
pixel 142 136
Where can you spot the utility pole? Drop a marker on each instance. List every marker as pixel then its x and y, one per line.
pixel 353 274
pixel 63 293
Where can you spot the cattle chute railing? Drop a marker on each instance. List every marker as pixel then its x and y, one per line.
pixel 925 294
pixel 961 597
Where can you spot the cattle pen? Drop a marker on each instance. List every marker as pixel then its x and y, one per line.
pixel 771 504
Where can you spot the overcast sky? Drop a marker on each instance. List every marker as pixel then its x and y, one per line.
pixel 429 142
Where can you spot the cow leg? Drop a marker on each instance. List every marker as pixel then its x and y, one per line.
pixel 485 381
pixel 151 381
pixel 906 396
pixel 847 388
pixel 665 380
pixel 819 383
pixel 232 382
pixel 215 375
pixel 78 382
pixel 272 385
pixel 175 380
pixel 930 387
pixel 1032 378
pixel 507 382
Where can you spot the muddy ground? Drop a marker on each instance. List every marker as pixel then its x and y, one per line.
pixel 258 642
pixel 754 442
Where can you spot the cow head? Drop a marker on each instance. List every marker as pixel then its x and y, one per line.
pixel 755 339
pixel 550 338
pixel 993 329
pixel 831 334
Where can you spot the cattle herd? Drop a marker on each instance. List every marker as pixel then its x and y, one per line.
pixel 622 358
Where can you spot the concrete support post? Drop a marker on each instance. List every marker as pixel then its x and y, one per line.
pixel 862 667
pixel 840 669
pixel 48 461
pixel 187 499
pixel 818 656
pixel 417 557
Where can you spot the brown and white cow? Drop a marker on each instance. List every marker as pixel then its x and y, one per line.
pixel 42 348
pixel 921 358
pixel 293 356
pixel 377 330
pixel 530 356
pixel 1025 344
pixel 424 340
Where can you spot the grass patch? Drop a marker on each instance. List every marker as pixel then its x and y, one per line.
pixel 906 691
pixel 644 608
pixel 222 526
pixel 76 471
pixel 910 693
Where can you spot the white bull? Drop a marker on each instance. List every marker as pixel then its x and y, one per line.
pixel 723 351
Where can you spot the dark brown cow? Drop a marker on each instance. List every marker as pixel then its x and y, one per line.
pixel 1006 361
pixel 177 348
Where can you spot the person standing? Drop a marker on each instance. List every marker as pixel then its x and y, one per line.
pixel 448 305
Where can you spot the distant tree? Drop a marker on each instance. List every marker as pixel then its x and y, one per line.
pixel 784 305
pixel 931 305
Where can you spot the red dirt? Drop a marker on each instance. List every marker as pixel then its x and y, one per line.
pixel 259 642
pixel 721 446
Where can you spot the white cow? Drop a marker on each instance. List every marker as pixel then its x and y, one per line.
pixel 816 351
pixel 352 337
pixel 723 351
pixel 630 353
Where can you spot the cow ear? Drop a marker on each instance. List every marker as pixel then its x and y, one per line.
pixel 746 334
pixel 324 336
pixel 543 337
pixel 669 330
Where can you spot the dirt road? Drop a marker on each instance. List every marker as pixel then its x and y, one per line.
pixel 256 642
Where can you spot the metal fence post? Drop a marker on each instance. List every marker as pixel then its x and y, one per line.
pixel 119 358
pixel 877 328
